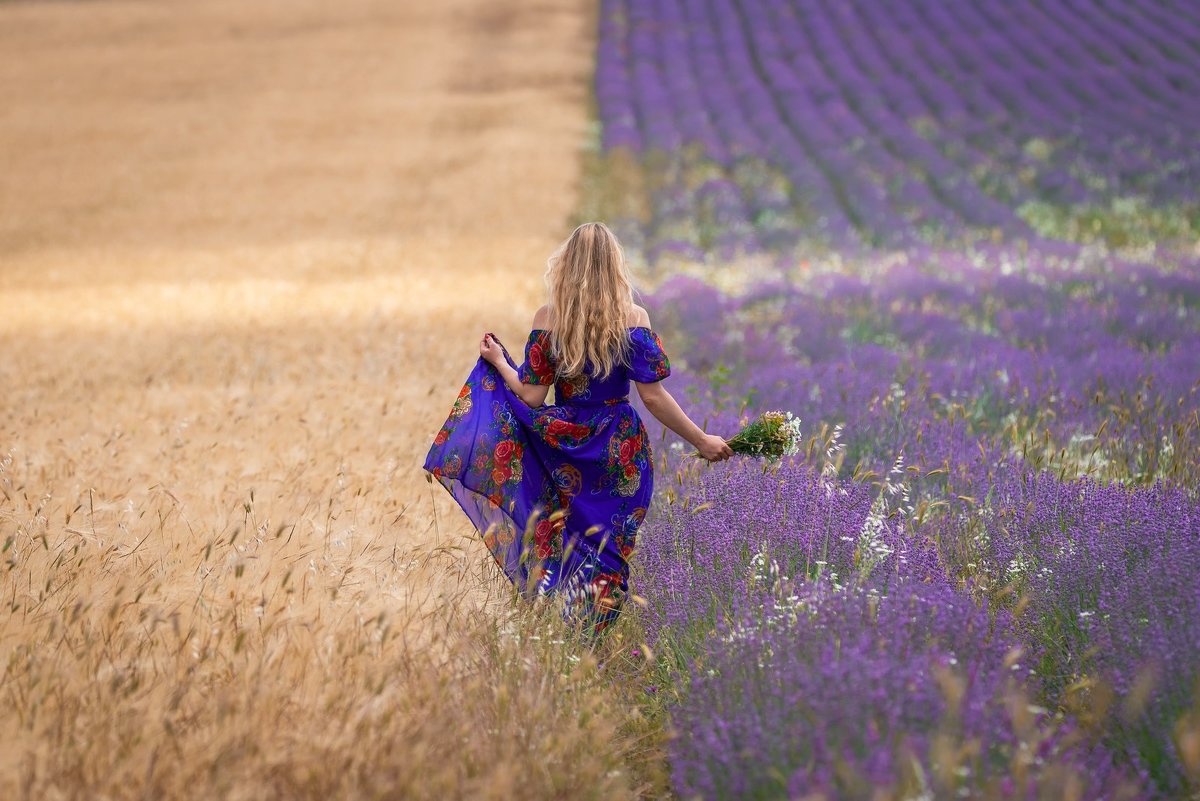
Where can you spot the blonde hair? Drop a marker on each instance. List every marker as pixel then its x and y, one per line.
pixel 591 298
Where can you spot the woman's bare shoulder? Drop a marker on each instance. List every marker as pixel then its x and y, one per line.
pixel 541 317
pixel 639 317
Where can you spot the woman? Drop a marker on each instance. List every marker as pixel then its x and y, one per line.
pixel 558 491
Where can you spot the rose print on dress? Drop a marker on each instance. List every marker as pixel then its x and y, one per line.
pixel 628 458
pixel 462 406
pixel 625 527
pixel 575 388
pixel 568 479
pixel 537 368
pixel 648 360
pixel 561 433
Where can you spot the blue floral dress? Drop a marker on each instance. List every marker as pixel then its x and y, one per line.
pixel 557 491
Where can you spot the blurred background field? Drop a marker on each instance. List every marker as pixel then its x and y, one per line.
pixel 246 251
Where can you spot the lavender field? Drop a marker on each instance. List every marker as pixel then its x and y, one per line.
pixel 768 125
pixel 962 242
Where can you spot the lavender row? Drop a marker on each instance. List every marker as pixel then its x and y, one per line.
pixel 1110 579
pixel 837 632
pixel 919 346
pixel 843 693
pixel 890 123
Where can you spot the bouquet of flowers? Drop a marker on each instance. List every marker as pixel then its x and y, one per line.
pixel 770 436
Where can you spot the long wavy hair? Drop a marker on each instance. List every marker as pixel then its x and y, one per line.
pixel 591 297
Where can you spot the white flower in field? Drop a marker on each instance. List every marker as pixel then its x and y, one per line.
pixel 1018 567
pixel 872 548
pixel 764 570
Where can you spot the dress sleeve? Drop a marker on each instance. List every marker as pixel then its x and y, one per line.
pixel 537 367
pixel 648 361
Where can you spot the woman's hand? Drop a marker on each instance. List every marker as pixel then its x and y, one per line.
pixel 714 448
pixel 491 350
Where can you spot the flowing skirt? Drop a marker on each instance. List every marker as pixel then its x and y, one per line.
pixel 557 492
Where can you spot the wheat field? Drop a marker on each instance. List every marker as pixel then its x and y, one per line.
pixel 246 250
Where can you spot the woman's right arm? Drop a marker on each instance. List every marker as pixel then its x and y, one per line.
pixel 660 403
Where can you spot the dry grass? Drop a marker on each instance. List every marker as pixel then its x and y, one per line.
pixel 245 253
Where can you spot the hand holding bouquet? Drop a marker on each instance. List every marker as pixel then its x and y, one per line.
pixel 770 436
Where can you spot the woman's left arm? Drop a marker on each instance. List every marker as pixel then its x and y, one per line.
pixel 532 394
